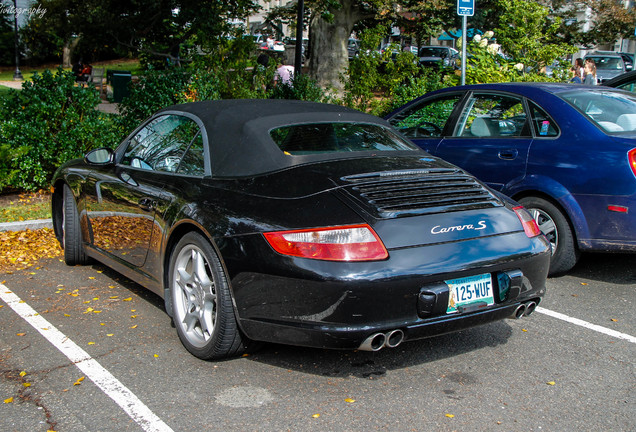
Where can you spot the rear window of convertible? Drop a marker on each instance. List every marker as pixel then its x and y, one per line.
pixel 318 138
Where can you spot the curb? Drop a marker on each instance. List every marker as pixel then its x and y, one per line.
pixel 28 224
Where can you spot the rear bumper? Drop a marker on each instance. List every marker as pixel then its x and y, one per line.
pixel 338 305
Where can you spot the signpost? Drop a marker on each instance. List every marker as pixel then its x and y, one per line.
pixel 465 8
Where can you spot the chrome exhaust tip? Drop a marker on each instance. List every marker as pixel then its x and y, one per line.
pixel 394 338
pixel 519 311
pixel 375 342
pixel 530 307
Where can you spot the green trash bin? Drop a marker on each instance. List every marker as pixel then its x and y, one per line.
pixel 120 81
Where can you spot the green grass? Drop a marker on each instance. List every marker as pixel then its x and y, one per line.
pixel 4 91
pixel 25 206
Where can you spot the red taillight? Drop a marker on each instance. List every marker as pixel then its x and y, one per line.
pixel 529 224
pixel 631 157
pixel 345 243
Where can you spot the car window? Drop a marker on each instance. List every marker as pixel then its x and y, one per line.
pixel 608 63
pixel 629 86
pixel 493 115
pixel 317 138
pixel 426 119
pixel 543 124
pixel 160 144
pixel 192 162
pixel 612 111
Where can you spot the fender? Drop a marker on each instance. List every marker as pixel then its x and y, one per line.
pixel 538 185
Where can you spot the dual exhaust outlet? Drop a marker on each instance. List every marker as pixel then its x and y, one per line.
pixel 393 338
pixel 377 341
pixel 524 309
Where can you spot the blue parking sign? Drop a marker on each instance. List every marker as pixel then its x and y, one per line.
pixel 465 7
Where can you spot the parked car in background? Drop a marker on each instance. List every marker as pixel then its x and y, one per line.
pixel 608 65
pixel 565 152
pixel 626 81
pixel 628 59
pixel 298 223
pixel 438 56
pixel 353 48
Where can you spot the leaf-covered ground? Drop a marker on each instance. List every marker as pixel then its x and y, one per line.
pixel 20 250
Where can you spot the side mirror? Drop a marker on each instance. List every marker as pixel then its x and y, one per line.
pixel 100 156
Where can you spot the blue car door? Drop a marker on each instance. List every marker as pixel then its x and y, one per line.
pixel 490 139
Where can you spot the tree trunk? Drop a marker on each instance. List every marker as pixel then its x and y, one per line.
pixel 67 51
pixel 328 58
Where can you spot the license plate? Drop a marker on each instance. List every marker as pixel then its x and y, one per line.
pixel 469 293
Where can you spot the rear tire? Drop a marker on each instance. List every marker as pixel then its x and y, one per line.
pixel 74 253
pixel 201 303
pixel 555 226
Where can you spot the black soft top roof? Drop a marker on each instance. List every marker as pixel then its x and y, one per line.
pixel 238 132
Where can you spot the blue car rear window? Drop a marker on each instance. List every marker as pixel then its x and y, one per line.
pixel 613 112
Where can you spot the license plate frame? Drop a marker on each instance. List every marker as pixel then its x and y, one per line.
pixel 470 293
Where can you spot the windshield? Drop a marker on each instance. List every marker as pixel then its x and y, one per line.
pixel 612 111
pixel 608 63
pixel 337 137
pixel 433 52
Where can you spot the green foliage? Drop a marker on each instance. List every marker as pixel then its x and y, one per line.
pixel 429 80
pixel 529 34
pixel 301 88
pixel 48 122
pixel 373 73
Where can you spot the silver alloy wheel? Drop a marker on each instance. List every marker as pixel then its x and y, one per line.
pixel 195 296
pixel 547 226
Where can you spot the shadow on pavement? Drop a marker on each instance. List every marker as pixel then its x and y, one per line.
pixel 614 268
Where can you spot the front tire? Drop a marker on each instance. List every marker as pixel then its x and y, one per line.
pixel 555 226
pixel 74 253
pixel 201 303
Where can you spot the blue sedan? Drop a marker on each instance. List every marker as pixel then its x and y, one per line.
pixel 566 152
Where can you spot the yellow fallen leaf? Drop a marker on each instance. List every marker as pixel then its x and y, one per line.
pixel 26 384
pixel 133 316
pixel 316 415
pixel 614 320
pixel 95 298
pixel 23 373
pixel 91 277
pixel 111 286
pixel 114 297
pixel 128 299
pixel 88 310
pixel 8 400
pixel 66 315
pixel 551 383
pixel 583 283
pixel 450 415
pixel 524 330
pixel 110 334
pixel 350 400
pixel 79 381
pixel 20 334
pixel 91 343
pixel 100 271
pixel 97 311
pixel 87 301
pixel 134 327
pixel 1 306
pixel 133 310
pixel 156 355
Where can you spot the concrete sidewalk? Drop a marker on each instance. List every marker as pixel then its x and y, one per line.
pixel 24 225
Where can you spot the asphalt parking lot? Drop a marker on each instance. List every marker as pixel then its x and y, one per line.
pixel 85 349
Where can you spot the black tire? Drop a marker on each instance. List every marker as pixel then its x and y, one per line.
pixel 74 253
pixel 555 226
pixel 201 303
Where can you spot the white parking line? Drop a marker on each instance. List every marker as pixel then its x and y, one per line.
pixel 110 385
pixel 587 325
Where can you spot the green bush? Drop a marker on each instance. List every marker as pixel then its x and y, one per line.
pixel 301 88
pixel 50 121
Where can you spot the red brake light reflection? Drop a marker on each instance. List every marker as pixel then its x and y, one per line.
pixel 529 224
pixel 631 157
pixel 344 243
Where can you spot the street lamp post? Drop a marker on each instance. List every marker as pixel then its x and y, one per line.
pixel 17 76
pixel 298 58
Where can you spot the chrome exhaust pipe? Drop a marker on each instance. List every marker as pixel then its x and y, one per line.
pixel 394 338
pixel 519 311
pixel 375 342
pixel 530 307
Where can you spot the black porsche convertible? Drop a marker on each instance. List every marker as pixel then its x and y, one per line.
pixel 298 223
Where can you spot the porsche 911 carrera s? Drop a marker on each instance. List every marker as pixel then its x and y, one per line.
pixel 298 223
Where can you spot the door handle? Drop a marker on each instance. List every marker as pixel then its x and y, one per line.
pixel 509 154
